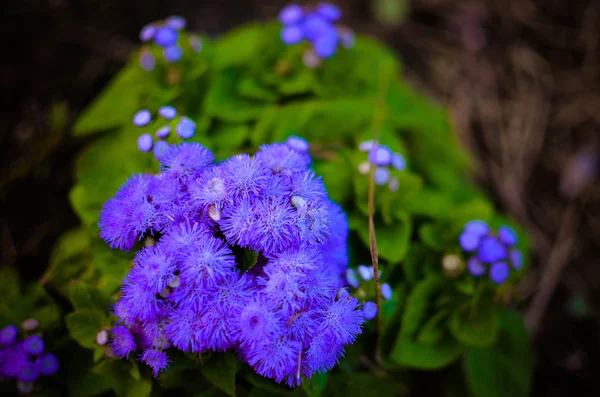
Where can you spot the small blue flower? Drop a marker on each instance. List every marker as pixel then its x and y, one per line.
pixel 325 45
pixel 29 372
pixel 475 267
pixel 123 341
pixel 160 148
pixel 292 34
pixel 477 227
pixel 145 142
pixel 382 175
pixel 398 162
pixel 366 272
pixel 380 155
pixel 163 131
pixel 516 258
pixel 155 359
pixel 329 11
pixel 499 272
pixel 166 36
pixel 366 146
pixel 469 241
pixel 173 53
pixel 8 335
pixel 370 310
pixel 142 118
pixel 298 144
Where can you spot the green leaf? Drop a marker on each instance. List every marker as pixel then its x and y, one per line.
pixel 220 370
pixel 10 286
pixel 68 259
pixel 128 92
pixel 505 368
pixel 478 329
pixel 87 297
pixel 239 46
pixel 426 356
pixel 417 305
pixel 360 384
pixel 433 330
pixel 392 240
pixel 224 103
pixel 113 264
pixel 315 385
pixel 228 138
pixel 84 325
pixel 337 175
pixel 252 89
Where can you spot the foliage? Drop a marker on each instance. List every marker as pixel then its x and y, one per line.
pixel 245 89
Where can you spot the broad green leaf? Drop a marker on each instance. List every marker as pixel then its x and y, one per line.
pixel 337 174
pixel 220 370
pixel 10 289
pixel 315 385
pixel 478 329
pixel 252 89
pixel 426 356
pixel 417 305
pixel 224 102
pixel 392 240
pixel 81 381
pixel 503 369
pixel 433 330
pixel 69 258
pixel 113 264
pixel 360 384
pixel 87 297
pixel 84 325
pixel 239 46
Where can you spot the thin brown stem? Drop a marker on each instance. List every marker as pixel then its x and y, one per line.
pixel 378 116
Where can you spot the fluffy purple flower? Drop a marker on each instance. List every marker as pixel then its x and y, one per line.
pixel 245 176
pixel 342 320
pixel 298 144
pixel 153 269
pixel 13 358
pixel 207 263
pixel 275 359
pixel 280 159
pixel 123 341
pixel 156 359
pixel 184 160
pixel 257 324
pixel 210 188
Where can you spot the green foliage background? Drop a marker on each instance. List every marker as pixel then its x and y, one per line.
pixel 246 89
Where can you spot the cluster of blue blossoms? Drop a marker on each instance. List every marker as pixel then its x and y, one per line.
pixel 367 273
pixel 315 25
pixel 382 157
pixel 165 34
pixel 185 128
pixel 247 254
pixel 24 360
pixel 493 250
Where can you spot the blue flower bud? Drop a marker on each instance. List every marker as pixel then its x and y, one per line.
pixel 33 345
pixel 491 250
pixel 352 278
pixel 298 144
pixel 147 32
pixel 329 11
pixel 142 118
pixel 386 291
pixel 8 335
pixel 366 272
pixel 380 155
pixel 25 387
pixel 382 175
pixel 477 227
pixel 475 267
pixel 499 272
pixel 145 142
pixel 469 241
pixel 292 34
pixel 291 14
pixel 347 37
pixel 29 372
pixel 166 36
pixel 507 235
pixel 314 25
pixel 366 146
pixel 394 184
pixel 398 162
pixel 173 53
pixel 147 61
pixel 163 131
pixel 48 363
pixel 167 112
pixel 370 310
pixel 325 45
pixel 186 128
pixel 176 22
pixel 516 258
pixel 160 148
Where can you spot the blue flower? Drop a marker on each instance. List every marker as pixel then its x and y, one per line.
pixel 491 250
pixel 153 269
pixel 173 54
pixel 341 319
pixel 29 372
pixel 258 323
pixel 370 310
pixel 155 359
pixel 244 176
pixel 123 341
pixel 142 118
pixel 47 364
pixel 291 14
pixel 280 159
pixel 145 142
pixel 352 278
pixel 386 291
pixel 499 272
pixel 147 33
pixel 184 160
pixel 33 345
pixel 166 36
pixel 8 335
pixel 186 128
pixel 176 22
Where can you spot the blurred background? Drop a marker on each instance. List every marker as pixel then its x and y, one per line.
pixel 521 77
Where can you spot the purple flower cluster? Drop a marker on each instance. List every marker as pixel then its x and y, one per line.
pixel 382 157
pixel 494 250
pixel 367 273
pixel 24 360
pixel 165 34
pixel 185 128
pixel 315 25
pixel 248 254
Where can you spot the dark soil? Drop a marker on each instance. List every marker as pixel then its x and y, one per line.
pixel 521 77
